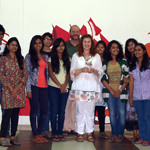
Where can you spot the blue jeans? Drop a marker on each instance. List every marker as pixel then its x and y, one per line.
pixel 142 108
pixel 46 124
pixel 3 111
pixel 58 102
pixel 117 112
pixel 39 98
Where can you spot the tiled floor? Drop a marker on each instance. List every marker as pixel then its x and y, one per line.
pixel 25 137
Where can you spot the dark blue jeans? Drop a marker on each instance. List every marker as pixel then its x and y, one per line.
pixel 58 102
pixel 142 108
pixel 117 112
pixel 47 121
pixel 39 98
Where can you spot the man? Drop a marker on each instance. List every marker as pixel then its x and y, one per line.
pixel 72 44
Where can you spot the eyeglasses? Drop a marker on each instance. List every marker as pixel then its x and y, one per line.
pixel 13 45
pixel 132 45
pixel 47 39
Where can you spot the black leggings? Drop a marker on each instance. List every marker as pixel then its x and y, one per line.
pixel 101 117
pixel 12 114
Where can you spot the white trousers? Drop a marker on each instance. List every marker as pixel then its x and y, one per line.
pixel 84 116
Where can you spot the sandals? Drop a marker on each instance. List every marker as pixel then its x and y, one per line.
pixel 103 135
pixel 65 133
pixel 112 139
pixel 55 138
pixel 39 139
pixel 139 141
pixel 119 138
pixel 80 138
pixel 146 143
pixel 15 142
pixel 90 138
pixel 134 139
pixel 61 138
pixel 5 143
pixel 46 135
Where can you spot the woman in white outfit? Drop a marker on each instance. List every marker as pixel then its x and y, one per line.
pixel 86 70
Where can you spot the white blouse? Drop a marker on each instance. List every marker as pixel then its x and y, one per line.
pixel 86 81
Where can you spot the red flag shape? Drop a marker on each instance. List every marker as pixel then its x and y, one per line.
pixel 104 39
pixel 92 25
pixel 83 30
pixel 58 32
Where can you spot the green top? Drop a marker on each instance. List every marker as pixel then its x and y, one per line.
pixel 124 73
pixel 71 48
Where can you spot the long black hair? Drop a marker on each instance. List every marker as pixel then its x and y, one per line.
pixel 55 59
pixel 127 53
pixel 33 53
pixel 19 56
pixel 145 61
pixel 107 53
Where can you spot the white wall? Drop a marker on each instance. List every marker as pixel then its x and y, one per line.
pixel 118 19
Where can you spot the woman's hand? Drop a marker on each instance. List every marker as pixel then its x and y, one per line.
pixel 113 93
pixel 131 102
pixel 85 69
pixel 63 88
pixel 118 93
pixel 29 95
pixel 14 92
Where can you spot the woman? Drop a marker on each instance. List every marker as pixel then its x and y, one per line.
pixel 47 43
pixel 86 69
pixel 59 67
pixel 131 116
pixel 114 92
pixel 139 92
pixel 13 75
pixel 36 86
pixel 100 106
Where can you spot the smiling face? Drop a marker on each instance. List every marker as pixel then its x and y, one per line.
pixel 47 41
pixel 75 33
pixel 100 49
pixel 38 45
pixel 131 46
pixel 13 47
pixel 61 48
pixel 139 52
pixel 114 50
pixel 87 43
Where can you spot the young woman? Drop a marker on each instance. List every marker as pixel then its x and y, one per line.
pixel 36 86
pixel 139 91
pixel 47 43
pixel 13 75
pixel 100 106
pixel 59 67
pixel 86 68
pixel 131 116
pixel 114 92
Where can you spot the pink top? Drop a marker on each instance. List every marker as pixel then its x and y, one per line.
pixel 42 83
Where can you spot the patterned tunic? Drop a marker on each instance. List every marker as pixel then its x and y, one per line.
pixel 10 74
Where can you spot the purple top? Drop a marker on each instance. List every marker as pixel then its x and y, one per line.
pixel 141 90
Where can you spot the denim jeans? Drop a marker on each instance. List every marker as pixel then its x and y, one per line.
pixel 58 102
pixel 3 111
pixel 47 121
pixel 117 112
pixel 39 98
pixel 142 108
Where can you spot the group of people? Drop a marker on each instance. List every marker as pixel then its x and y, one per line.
pixel 68 83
